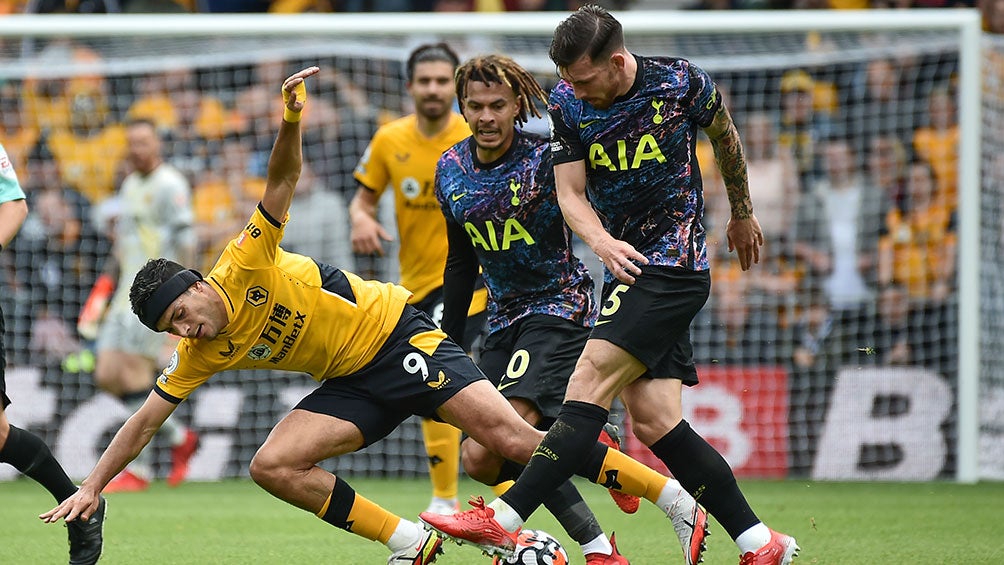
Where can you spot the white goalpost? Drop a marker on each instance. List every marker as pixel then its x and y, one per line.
pixel 905 389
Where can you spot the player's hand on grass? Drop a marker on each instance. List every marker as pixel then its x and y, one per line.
pixel 81 505
pixel 745 238
pixel 620 258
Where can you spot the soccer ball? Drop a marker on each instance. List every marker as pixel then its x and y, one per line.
pixel 537 547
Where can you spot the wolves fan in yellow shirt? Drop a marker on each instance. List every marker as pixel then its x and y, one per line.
pixel 402 156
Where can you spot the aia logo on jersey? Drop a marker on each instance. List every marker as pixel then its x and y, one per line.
pixel 259 351
pixel 256 296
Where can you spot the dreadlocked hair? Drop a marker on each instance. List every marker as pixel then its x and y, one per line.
pixel 499 69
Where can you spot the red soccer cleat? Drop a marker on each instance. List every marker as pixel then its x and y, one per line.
pixel 615 558
pixel 181 454
pixel 126 481
pixel 780 550
pixel 477 527
pixel 628 503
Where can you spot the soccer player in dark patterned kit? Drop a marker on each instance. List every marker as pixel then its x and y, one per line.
pixel 21 448
pixel 627 125
pixel 378 359
pixel 496 189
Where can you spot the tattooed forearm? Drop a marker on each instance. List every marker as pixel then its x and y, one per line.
pixel 731 162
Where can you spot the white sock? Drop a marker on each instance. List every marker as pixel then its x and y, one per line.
pixel 670 494
pixel 405 535
pixel 505 515
pixel 598 545
pixel 754 538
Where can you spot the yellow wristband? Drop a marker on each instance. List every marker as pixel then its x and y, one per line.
pixel 293 116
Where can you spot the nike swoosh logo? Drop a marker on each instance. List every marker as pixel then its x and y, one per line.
pixel 601 322
pixel 456 197
pixel 584 125
pixel 505 385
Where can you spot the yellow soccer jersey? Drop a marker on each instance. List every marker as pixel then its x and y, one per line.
pixel 286 313
pixel 399 156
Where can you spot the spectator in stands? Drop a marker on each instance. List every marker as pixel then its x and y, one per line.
pixel 17 135
pixel 59 268
pixel 937 142
pixel 188 148
pixel 801 128
pixel 813 366
pixel 174 101
pixel 887 161
pixel 226 188
pixel 773 178
pixel 343 121
pixel 838 225
pixel 879 102
pixel 321 226
pixel 918 252
pixel 255 112
pixel 89 151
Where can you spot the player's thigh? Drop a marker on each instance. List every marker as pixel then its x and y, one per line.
pixel 651 319
pixel 304 438
pixel 533 359
pixel 489 419
pixel 416 371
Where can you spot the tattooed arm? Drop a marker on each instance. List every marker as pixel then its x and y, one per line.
pixel 744 234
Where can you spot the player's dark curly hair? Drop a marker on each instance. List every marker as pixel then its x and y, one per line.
pixel 149 279
pixel 591 30
pixel 499 69
pixel 431 52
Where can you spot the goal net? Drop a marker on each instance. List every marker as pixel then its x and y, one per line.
pixel 843 355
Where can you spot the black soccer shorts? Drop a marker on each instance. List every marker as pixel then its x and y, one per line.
pixel 651 319
pixel 533 359
pixel 414 373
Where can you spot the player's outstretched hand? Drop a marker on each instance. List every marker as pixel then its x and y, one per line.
pixel 745 238
pixel 80 505
pixel 621 259
pixel 294 93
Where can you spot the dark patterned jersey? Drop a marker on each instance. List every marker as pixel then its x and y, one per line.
pixel 641 166
pixel 505 215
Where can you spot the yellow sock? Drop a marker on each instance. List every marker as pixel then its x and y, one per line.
pixel 442 443
pixel 353 512
pixel 635 478
pixel 500 488
pixel 372 521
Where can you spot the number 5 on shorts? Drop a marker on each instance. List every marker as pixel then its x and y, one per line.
pixel 613 302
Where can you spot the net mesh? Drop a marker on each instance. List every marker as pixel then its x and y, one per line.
pixel 814 364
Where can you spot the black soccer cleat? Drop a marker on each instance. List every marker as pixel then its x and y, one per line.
pixel 86 538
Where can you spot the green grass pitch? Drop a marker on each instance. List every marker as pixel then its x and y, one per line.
pixel 236 522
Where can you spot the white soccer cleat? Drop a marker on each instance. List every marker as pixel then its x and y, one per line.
pixel 691 524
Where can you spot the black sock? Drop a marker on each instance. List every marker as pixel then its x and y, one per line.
pixel 342 498
pixel 558 456
pixel 510 471
pixel 29 454
pixel 706 475
pixel 567 506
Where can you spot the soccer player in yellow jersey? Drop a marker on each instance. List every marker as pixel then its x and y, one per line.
pixel 402 156
pixel 378 359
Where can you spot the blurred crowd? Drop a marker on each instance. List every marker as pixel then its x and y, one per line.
pixel 989 7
